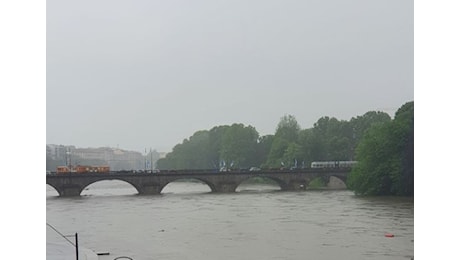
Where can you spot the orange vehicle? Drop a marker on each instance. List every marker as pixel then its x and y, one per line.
pixel 103 169
pixel 83 169
pixel 62 169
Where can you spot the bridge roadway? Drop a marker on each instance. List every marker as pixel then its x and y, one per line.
pixel 153 183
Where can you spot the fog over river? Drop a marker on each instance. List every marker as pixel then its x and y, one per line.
pixel 259 221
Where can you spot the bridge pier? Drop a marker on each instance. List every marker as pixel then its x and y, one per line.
pixel 225 187
pixel 69 191
pixel 150 189
pixel 297 185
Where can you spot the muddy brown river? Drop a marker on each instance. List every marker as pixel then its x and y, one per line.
pixel 257 222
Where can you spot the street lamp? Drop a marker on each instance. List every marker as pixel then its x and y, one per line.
pixel 70 160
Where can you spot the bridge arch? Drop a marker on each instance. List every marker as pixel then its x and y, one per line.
pixel 51 190
pixel 98 187
pixel 179 179
pixel 337 182
pixel 261 179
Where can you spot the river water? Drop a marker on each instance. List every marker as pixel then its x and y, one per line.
pixel 257 222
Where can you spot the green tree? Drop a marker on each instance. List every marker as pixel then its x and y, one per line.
pixel 263 147
pixel 277 150
pixel 293 155
pixel 216 135
pixel 286 135
pixel 333 140
pixel 239 145
pixel 206 149
pixel 328 140
pixel 360 124
pixel 404 119
pixel 386 157
pixel 312 145
pixel 288 128
pixel 192 153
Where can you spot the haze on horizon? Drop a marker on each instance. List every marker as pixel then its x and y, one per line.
pixel 148 74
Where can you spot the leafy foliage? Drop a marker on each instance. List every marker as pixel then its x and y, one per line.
pixel 234 145
pixel 239 145
pixel 288 128
pixel 193 153
pixel 386 157
pixel 383 147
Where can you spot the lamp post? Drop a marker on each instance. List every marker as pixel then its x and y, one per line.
pixel 151 160
pixel 145 160
pixel 70 160
pixel 76 245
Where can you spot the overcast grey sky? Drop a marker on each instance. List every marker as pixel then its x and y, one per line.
pixel 145 73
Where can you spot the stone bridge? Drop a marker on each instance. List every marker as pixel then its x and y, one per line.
pixel 153 183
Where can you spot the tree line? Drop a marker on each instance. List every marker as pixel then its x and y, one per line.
pixel 240 146
pixel 384 149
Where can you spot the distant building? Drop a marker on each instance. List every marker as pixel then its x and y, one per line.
pixel 117 159
pixel 57 152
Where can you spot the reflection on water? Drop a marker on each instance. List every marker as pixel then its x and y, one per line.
pixel 187 221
